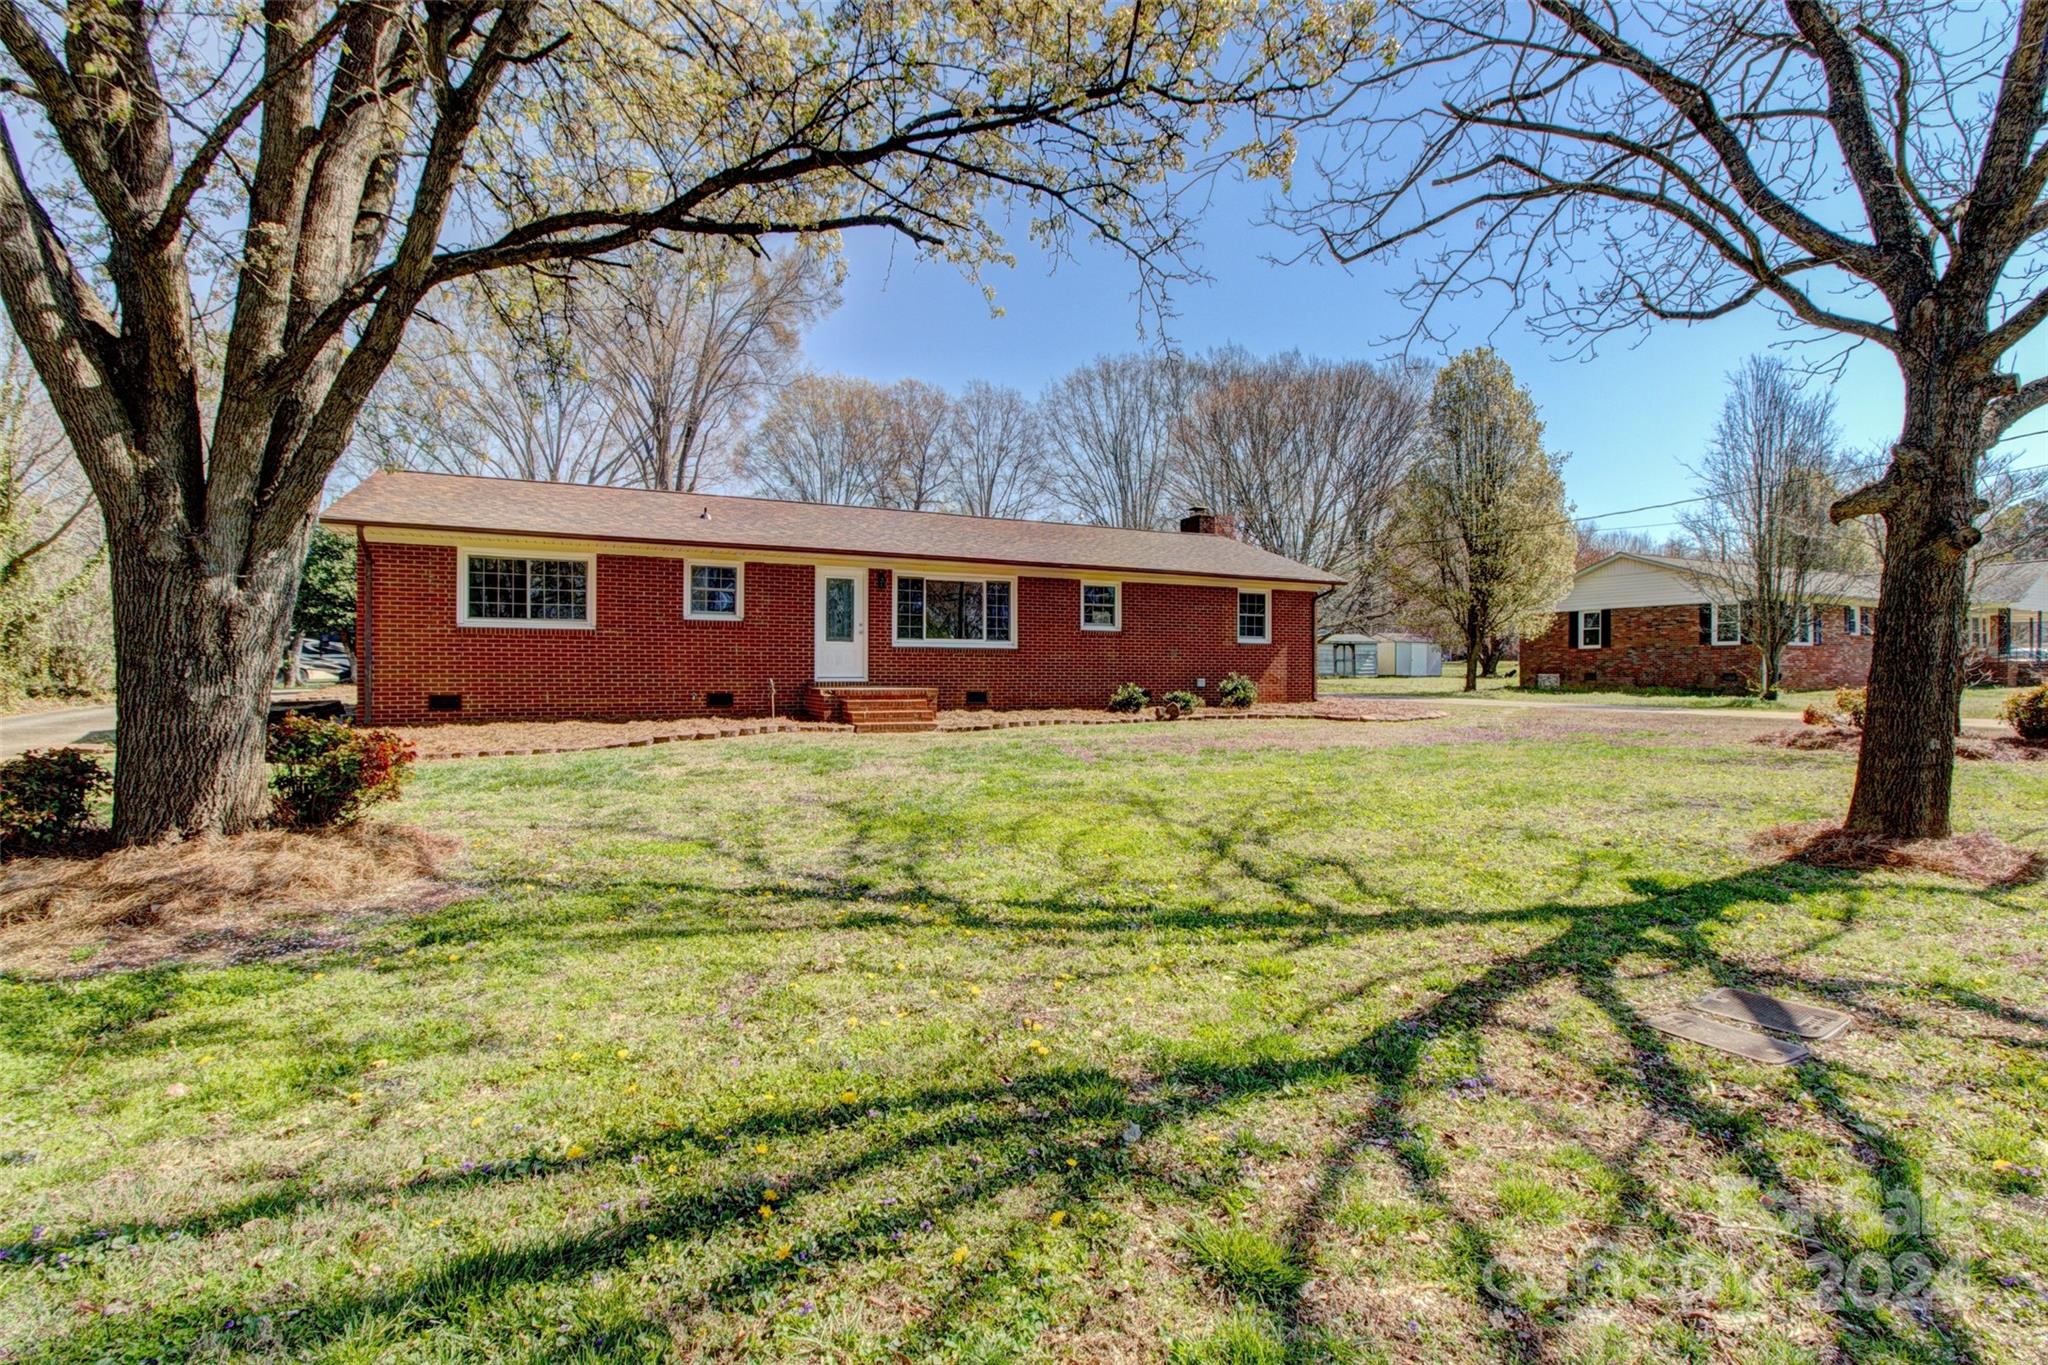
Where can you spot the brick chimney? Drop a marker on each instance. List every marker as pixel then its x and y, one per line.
pixel 1201 521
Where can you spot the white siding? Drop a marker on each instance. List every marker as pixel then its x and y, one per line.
pixel 1630 583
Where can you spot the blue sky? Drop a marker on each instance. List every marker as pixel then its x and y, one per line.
pixel 1630 419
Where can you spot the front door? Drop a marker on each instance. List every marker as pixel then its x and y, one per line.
pixel 842 625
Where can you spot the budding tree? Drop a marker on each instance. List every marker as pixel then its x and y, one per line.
pixel 1869 169
pixel 246 206
pixel 1481 544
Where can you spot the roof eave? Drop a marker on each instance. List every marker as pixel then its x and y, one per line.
pixel 1318 583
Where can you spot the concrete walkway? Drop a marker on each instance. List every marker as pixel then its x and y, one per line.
pixel 1749 713
pixel 54 729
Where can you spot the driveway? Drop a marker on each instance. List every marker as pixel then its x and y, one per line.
pixel 53 729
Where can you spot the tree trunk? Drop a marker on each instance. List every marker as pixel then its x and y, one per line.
pixel 1471 661
pixel 195 653
pixel 1906 768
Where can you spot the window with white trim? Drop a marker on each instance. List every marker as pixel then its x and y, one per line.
pixel 1589 630
pixel 526 590
pixel 1102 606
pixel 954 611
pixel 1254 613
pixel 1981 632
pixel 1727 624
pixel 1857 621
pixel 1805 626
pixel 714 592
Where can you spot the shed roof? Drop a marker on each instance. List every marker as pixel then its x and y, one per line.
pixel 478 505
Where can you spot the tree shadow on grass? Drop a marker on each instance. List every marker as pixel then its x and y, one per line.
pixel 1037 1122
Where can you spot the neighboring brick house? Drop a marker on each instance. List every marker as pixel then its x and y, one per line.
pixel 1635 620
pixel 497 599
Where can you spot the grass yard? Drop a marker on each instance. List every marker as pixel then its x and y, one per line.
pixel 1979 703
pixel 1261 1042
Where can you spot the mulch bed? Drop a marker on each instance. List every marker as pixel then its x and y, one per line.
pixel 1980 858
pixel 497 739
pixel 1845 739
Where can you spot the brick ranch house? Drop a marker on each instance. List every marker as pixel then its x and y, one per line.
pixel 1636 620
pixel 497 599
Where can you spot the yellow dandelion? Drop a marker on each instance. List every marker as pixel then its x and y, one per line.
pixel 671 1169
pixel 561 1037
pixel 783 1252
pixel 575 1056
pixel 318 975
pixel 576 1152
pixel 380 1063
pixel 477 1122
pixel 207 1060
pixel 623 1053
pixel 632 1087
pixel 437 1222
pixel 1072 1163
pixel 853 1021
pixel 1059 1216
pixel 959 1255
pixel 900 967
pixel 760 1149
pixel 767 1211
pixel 771 1195
pixel 455 957
pixel 355 1097
pixel 768 1097
pixel 848 1097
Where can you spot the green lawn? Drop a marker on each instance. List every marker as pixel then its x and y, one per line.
pixel 1982 703
pixel 1283 1041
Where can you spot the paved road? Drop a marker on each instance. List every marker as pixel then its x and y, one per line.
pixel 49 729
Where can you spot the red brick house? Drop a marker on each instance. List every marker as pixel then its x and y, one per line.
pixel 496 599
pixel 1636 620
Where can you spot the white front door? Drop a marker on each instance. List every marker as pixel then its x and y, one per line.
pixel 842 624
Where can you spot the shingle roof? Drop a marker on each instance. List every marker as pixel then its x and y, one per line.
pixel 453 502
pixel 1826 584
pixel 2000 584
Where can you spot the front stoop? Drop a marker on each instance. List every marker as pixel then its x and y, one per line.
pixel 872 708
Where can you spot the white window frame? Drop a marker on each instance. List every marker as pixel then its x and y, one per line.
pixel 1580 642
pixel 1981 633
pixel 1803 626
pixel 739 590
pixel 1862 626
pixel 895 619
pixel 1116 604
pixel 465 553
pixel 1237 610
pixel 1730 614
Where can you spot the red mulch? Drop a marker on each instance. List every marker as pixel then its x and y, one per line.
pixel 1980 858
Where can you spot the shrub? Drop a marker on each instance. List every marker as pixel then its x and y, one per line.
pixel 43 798
pixel 1814 715
pixel 1128 697
pixel 2028 712
pixel 1186 701
pixel 1237 690
pixel 1850 702
pixel 328 771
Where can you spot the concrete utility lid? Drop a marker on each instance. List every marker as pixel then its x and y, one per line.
pixel 1742 1042
pixel 1813 1022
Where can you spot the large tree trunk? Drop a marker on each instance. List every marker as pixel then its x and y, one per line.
pixel 195 652
pixel 1907 765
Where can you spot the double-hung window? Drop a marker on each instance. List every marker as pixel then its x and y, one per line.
pixel 1727 624
pixel 1589 631
pixel 1254 609
pixel 526 590
pixel 714 592
pixel 1102 606
pixel 955 612
pixel 1805 626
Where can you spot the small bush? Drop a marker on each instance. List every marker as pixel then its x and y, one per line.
pixel 328 772
pixel 1814 715
pixel 1237 690
pixel 2028 713
pixel 1128 697
pixel 1186 701
pixel 44 795
pixel 1849 701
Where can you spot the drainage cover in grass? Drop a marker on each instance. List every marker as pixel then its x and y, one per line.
pixel 1697 1028
pixel 1814 1022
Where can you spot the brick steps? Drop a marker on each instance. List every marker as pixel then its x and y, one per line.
pixel 873 709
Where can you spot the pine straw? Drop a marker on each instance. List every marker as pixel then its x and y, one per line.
pixel 1981 748
pixel 219 899
pixel 1980 858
